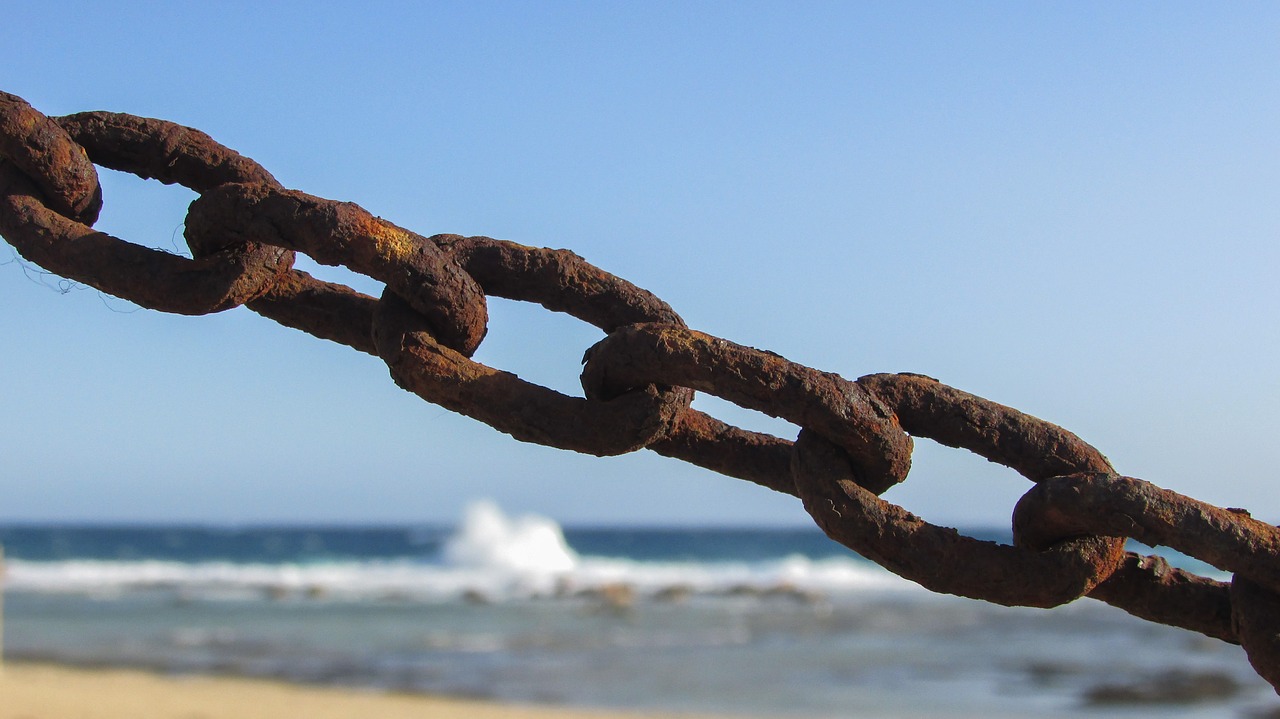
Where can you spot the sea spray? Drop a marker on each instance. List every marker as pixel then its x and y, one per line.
pixel 528 544
pixel 487 555
pixel 777 622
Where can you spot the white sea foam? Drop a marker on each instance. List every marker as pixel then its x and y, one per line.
pixel 405 580
pixel 490 556
pixel 489 539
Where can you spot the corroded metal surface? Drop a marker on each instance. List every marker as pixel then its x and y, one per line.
pixel 556 279
pixel 345 234
pixel 1147 587
pixel 701 439
pixel 855 438
pixel 323 309
pixel 526 411
pixel 161 150
pixel 843 411
pixel 1106 504
pixel 47 156
pixel 940 558
pixel 151 278
pixel 1034 448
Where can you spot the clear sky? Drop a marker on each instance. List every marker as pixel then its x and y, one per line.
pixel 1070 208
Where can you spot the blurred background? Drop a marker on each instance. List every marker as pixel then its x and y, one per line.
pixel 1066 208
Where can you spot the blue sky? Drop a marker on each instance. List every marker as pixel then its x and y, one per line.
pixel 1070 208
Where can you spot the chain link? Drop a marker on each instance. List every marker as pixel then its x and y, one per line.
pixel 855 438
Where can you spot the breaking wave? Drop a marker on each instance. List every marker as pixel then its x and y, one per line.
pixel 488 557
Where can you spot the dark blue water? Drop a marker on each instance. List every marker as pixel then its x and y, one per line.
pixel 775 623
pixel 45 543
pixel 218 544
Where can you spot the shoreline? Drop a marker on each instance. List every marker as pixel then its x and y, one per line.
pixel 38 690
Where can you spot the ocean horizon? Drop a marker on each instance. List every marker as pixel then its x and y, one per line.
pixel 771 622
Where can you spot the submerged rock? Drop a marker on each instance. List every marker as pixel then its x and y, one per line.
pixel 1173 687
pixel 677 593
pixel 615 596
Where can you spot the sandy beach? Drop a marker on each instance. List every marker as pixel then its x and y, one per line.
pixel 393 628
pixel 42 691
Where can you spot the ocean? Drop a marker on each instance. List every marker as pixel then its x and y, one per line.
pixel 749 622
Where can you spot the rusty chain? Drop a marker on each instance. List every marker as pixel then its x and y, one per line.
pixel 855 438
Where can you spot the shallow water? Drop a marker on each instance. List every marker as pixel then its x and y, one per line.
pixel 753 622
